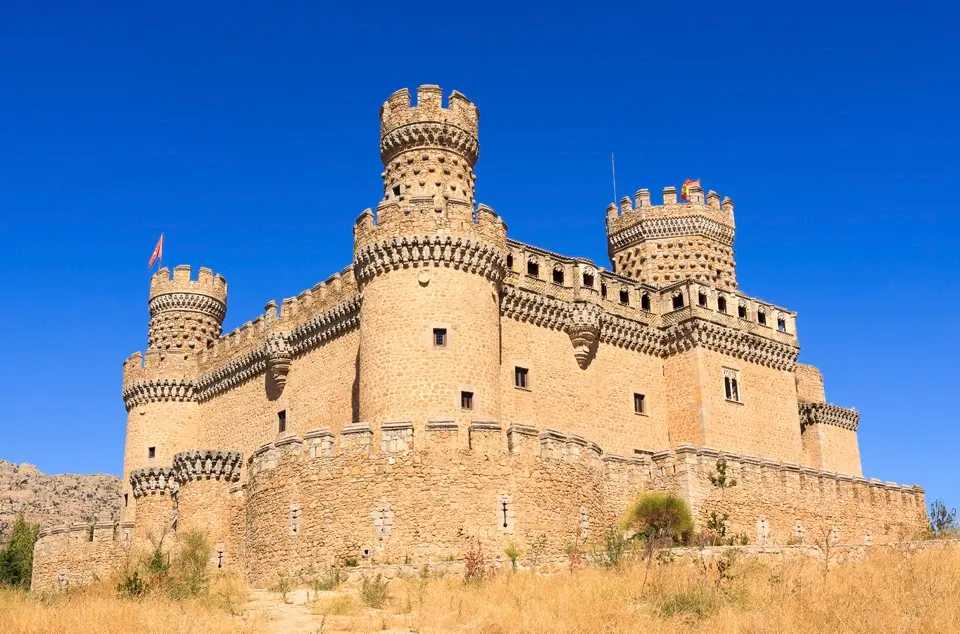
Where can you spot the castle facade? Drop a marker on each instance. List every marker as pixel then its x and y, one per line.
pixel 453 384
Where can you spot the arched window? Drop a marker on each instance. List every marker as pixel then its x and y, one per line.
pixel 624 297
pixel 678 301
pixel 558 274
pixel 645 302
pixel 533 267
pixel 722 304
pixel 588 279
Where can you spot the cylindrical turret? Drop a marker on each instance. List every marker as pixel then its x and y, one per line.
pixel 184 313
pixel 153 489
pixel 428 150
pixel 430 271
pixel 204 502
pixel 159 388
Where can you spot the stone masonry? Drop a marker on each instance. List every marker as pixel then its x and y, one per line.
pixel 453 386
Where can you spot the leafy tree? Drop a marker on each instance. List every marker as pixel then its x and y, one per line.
pixel 660 515
pixel 942 519
pixel 16 562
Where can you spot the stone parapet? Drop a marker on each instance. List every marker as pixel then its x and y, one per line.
pixel 828 414
pixel 153 481
pixel 208 464
pixel 461 253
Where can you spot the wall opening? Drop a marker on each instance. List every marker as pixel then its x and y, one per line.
pixel 520 378
pixel 677 301
pixel 533 269
pixel 742 311
pixel 722 304
pixel 466 400
pixel 151 452
pixel 624 297
pixel 645 302
pixel 588 280
pixel 761 318
pixel 558 275
pixel 282 421
pixel 440 337
pixel 639 404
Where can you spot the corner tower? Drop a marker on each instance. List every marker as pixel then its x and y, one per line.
pixel 159 387
pixel 663 244
pixel 429 265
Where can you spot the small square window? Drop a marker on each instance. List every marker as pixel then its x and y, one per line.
pixel 466 400
pixel 588 280
pixel 677 301
pixel 520 378
pixel 440 337
pixel 282 421
pixel 639 404
pixel 396 191
pixel 151 452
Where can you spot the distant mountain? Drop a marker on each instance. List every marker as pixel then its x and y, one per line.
pixel 55 499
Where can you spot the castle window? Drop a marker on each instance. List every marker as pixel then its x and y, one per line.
pixel 588 280
pixel 677 301
pixel 510 262
pixel 126 499
pixel 507 514
pixel 558 275
pixel 645 302
pixel 282 421
pixel 294 519
pixel 702 299
pixel 533 269
pixel 731 385
pixel 742 311
pixel 639 404
pixel 520 378
pixel 440 337
pixel 396 191
pixel 624 297
pixel 466 400
pixel 761 318
pixel 781 324
pixel 151 452
pixel 722 304
pixel 219 557
pixel 603 290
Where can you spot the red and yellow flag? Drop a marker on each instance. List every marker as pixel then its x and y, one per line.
pixel 684 195
pixel 157 252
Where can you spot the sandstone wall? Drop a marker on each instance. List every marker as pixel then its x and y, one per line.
pixel 66 556
pixel 799 503
pixel 595 402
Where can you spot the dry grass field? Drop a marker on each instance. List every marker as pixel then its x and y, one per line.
pixel 890 592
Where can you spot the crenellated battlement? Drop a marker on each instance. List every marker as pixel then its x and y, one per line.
pixel 397 111
pixel 662 244
pixel 207 464
pixel 182 281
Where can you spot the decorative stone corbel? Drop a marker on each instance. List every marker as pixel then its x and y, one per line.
pixel 584 330
pixel 279 357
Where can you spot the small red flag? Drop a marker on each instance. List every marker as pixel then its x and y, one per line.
pixel 157 252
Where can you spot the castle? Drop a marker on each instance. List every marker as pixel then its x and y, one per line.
pixel 452 383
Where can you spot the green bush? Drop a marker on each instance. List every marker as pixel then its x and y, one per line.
pixel 614 547
pixel 16 561
pixel 190 570
pixel 373 592
pixel 657 516
pixel 696 602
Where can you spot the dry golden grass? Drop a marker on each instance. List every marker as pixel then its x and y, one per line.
pixel 890 592
pixel 96 609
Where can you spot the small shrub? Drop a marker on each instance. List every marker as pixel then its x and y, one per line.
pixel 660 515
pixel 283 584
pixel 474 564
pixel 329 580
pixel 373 592
pixel 132 586
pixel 342 605
pixel 349 562
pixel 190 571
pixel 943 520
pixel 513 553
pixel 614 547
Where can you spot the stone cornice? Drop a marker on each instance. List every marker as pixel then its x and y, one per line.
pixel 209 464
pixel 157 391
pixel 192 302
pixel 534 308
pixel 428 134
pixel 464 253
pixel 153 481
pixel 232 374
pixel 326 326
pixel 652 228
pixel 828 414
pixel 730 341
pixel 528 306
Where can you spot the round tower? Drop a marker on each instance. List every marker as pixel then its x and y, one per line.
pixel 204 501
pixel 429 266
pixel 186 314
pixel 159 388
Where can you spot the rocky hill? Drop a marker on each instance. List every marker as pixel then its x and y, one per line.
pixel 55 499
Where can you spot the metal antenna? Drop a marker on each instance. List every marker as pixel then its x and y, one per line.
pixel 613 172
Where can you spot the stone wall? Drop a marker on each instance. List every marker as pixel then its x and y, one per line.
pixel 74 555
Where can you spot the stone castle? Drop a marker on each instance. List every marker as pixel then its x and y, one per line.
pixel 452 384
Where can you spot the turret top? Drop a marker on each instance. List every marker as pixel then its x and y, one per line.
pixel 214 286
pixel 460 112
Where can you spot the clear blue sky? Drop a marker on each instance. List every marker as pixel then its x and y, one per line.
pixel 248 133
